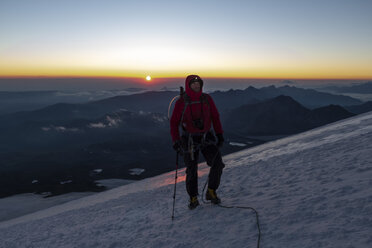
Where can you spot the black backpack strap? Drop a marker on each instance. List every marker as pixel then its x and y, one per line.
pixel 204 98
pixel 186 100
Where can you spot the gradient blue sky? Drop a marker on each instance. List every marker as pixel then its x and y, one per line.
pixel 269 39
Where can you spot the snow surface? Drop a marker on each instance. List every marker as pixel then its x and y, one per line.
pixel 311 190
pixel 136 171
pixel 97 171
pixel 21 204
pixel 237 144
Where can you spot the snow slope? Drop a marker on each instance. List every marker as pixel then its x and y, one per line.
pixel 21 204
pixel 311 190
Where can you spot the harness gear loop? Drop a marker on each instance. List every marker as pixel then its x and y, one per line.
pixel 193 146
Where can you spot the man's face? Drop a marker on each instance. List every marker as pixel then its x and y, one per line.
pixel 195 86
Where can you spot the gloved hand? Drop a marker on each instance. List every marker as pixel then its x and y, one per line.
pixel 220 140
pixel 177 145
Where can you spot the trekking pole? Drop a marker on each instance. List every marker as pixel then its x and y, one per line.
pixel 175 186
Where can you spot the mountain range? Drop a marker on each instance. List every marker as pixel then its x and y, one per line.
pixel 158 101
pixel 14 101
pixel 68 141
pixel 363 88
pixel 280 115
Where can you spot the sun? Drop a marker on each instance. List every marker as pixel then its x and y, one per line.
pixel 148 78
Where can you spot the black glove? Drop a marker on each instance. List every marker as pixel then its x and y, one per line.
pixel 177 145
pixel 220 140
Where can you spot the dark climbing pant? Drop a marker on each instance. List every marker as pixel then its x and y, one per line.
pixel 213 158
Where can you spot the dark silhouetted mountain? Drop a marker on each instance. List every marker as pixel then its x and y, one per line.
pixel 54 132
pixel 360 109
pixel 324 115
pixel 281 115
pixel 59 111
pixel 62 113
pixel 310 98
pixel 152 101
pixel 230 99
pixel 364 88
pixel 11 102
pixel 158 101
pixel 123 132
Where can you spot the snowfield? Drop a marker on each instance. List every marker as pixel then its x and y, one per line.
pixel 311 190
pixel 21 204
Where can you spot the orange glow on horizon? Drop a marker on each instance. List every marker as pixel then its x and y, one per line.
pixel 363 73
pixel 140 79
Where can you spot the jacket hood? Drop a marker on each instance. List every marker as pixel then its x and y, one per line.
pixel 192 94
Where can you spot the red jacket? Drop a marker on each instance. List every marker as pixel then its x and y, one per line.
pixel 209 114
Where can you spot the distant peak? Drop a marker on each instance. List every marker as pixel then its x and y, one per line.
pixel 269 87
pixel 285 100
pixel 251 89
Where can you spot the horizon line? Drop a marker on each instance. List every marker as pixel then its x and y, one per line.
pixel 174 77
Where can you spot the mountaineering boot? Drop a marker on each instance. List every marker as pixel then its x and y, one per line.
pixel 212 196
pixel 193 202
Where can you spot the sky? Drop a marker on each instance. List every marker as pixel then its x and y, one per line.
pixel 168 38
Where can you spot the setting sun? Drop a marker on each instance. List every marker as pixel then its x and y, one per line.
pixel 148 78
